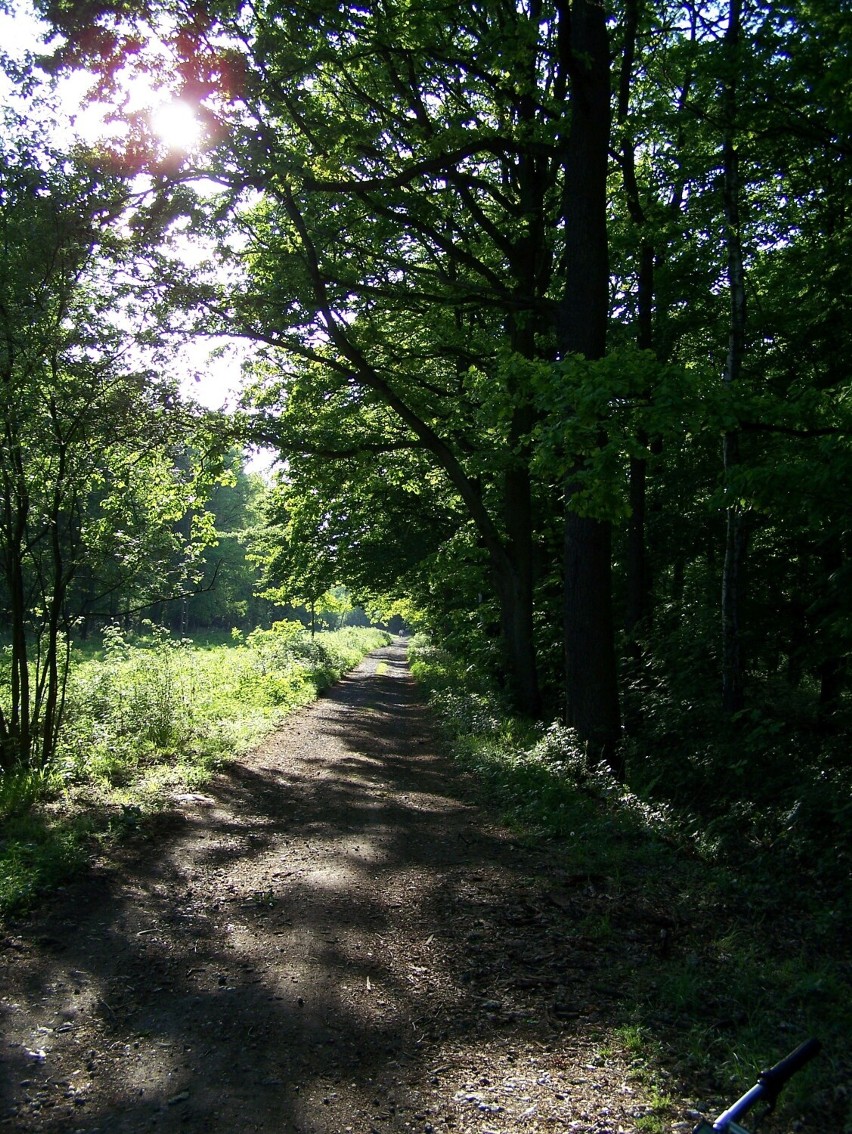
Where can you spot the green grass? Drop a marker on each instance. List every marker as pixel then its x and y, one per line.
pixel 36 854
pixel 145 717
pixel 758 955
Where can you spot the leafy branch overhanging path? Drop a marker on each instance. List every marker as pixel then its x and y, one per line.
pixel 331 938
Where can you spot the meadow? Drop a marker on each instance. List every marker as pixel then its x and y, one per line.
pixel 147 716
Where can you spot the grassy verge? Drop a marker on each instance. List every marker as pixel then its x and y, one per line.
pixel 752 935
pixel 147 717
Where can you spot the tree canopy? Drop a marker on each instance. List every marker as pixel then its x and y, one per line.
pixel 549 302
pixel 100 464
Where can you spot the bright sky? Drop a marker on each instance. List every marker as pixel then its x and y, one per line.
pixel 172 120
pixel 210 380
pixel 19 32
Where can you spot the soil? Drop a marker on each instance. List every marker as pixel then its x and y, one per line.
pixel 333 937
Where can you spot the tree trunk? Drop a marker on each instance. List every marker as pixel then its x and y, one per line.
pixel 638 605
pixel 637 615
pixel 511 559
pixel 48 712
pixel 736 541
pixel 514 591
pixel 832 667
pixel 592 690
pixel 733 697
pixel 593 708
pixel 16 739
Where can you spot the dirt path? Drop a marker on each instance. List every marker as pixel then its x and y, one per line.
pixel 331 939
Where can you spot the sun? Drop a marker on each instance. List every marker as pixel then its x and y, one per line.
pixel 176 124
pixel 172 123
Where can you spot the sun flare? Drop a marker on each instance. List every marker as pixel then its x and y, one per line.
pixel 176 125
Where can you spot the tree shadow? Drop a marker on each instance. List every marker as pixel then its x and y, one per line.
pixel 326 940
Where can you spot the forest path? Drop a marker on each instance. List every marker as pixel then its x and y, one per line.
pixel 332 938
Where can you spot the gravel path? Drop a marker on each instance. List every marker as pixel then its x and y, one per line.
pixel 332 938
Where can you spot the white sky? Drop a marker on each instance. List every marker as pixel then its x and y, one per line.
pixel 19 32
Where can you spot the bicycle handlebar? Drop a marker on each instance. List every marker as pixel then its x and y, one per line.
pixel 767 1088
pixel 774 1079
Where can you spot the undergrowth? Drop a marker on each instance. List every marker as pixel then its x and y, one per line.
pixel 147 716
pixel 752 897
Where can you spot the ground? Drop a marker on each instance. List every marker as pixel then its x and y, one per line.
pixel 334 937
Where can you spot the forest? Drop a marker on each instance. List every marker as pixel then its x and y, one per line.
pixel 542 308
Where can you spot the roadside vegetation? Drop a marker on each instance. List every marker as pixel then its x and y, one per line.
pixel 148 716
pixel 746 889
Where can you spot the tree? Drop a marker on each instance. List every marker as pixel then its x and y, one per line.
pixel 434 221
pixel 374 518
pixel 593 703
pixel 371 243
pixel 412 165
pixel 228 579
pixel 724 127
pixel 297 553
pixel 86 428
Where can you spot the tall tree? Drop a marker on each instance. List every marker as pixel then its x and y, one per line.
pixel 735 524
pixel 421 202
pixel 80 417
pixel 593 705
pixel 415 166
pixel 414 235
pixel 738 148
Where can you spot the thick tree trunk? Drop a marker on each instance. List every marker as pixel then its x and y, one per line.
pixel 514 590
pixel 592 691
pixel 516 587
pixel 593 708
pixel 733 696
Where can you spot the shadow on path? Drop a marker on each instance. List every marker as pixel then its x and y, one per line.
pixel 331 938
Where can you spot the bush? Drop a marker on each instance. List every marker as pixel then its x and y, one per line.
pixel 154 701
pixel 753 895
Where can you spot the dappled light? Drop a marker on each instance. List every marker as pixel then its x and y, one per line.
pixel 505 346
pixel 311 943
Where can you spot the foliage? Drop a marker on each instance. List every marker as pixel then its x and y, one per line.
pixel 159 701
pixel 228 577
pixel 36 856
pixel 285 658
pixel 398 220
pixel 398 205
pixel 99 464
